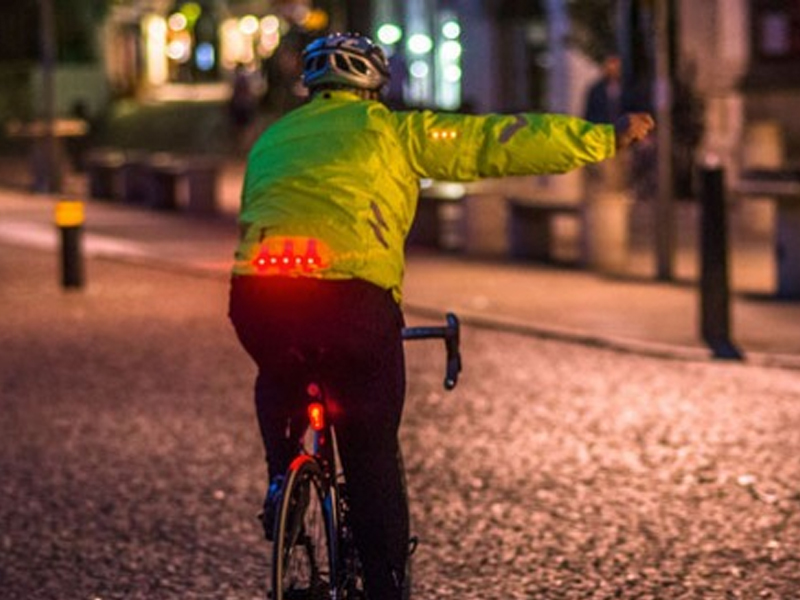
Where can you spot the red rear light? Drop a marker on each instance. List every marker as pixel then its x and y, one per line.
pixel 289 256
pixel 316 416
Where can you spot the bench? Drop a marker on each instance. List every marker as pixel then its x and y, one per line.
pixel 438 217
pixel 48 153
pixel 530 227
pixel 102 168
pixel 158 180
pixel 201 176
pixel 782 184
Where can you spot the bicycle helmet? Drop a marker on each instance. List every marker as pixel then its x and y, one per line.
pixel 347 60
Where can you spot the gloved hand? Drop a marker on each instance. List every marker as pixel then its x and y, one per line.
pixel 633 127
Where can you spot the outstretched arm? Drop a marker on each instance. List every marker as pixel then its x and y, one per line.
pixel 461 147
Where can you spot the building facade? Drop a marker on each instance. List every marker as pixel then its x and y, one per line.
pixel 738 59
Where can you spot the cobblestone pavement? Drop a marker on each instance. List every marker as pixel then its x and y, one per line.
pixel 131 466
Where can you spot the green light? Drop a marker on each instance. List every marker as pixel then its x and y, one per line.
pixel 419 69
pixel 452 73
pixel 389 34
pixel 451 30
pixel 192 12
pixel 419 43
pixel 450 51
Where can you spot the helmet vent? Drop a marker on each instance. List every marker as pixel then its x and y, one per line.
pixel 341 63
pixel 360 66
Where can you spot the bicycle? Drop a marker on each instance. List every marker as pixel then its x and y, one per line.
pixel 313 554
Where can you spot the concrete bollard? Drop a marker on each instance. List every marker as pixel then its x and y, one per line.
pixel 606 232
pixel 69 218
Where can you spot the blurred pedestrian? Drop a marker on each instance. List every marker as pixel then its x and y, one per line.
pixel 242 106
pixel 394 95
pixel 284 71
pixel 604 104
pixel 604 98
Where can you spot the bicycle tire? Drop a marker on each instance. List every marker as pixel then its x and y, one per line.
pixel 351 580
pixel 304 550
pixel 351 576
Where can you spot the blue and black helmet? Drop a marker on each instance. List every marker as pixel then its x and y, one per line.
pixel 345 59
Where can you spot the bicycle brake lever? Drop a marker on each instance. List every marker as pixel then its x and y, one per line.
pixel 452 342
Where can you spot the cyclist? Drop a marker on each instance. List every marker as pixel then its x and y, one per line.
pixel 329 195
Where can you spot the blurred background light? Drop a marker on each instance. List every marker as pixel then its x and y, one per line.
pixel 268 43
pixel 452 73
pixel 419 43
pixel 389 34
pixel 192 12
pixel 419 69
pixel 178 50
pixel 451 30
pixel 205 57
pixel 248 25
pixel 450 50
pixel 315 20
pixel 270 25
pixel 156 57
pixel 177 21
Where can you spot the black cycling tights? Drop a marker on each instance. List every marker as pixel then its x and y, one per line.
pixel 347 334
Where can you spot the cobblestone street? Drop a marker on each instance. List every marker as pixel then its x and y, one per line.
pixel 131 466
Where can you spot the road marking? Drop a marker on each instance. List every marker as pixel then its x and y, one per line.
pixel 34 235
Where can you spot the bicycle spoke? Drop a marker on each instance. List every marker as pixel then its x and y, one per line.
pixel 301 558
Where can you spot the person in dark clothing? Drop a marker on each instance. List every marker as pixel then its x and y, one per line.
pixel 604 99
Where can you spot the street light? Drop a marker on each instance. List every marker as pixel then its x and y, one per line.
pixel 48 176
pixel 663 108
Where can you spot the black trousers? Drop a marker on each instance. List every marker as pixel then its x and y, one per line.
pixel 346 335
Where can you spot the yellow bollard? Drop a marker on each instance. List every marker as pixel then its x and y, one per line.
pixel 69 218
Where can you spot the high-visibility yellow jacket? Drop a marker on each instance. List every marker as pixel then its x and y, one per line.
pixel 331 188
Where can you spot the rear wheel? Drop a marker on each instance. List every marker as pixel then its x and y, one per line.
pixel 303 551
pixel 351 581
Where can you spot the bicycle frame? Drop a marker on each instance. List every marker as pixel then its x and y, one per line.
pixel 319 445
pixel 323 449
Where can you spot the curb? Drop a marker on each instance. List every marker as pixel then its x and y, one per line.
pixel 109 249
pixel 649 349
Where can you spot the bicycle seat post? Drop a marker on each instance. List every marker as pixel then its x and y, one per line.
pixel 316 417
